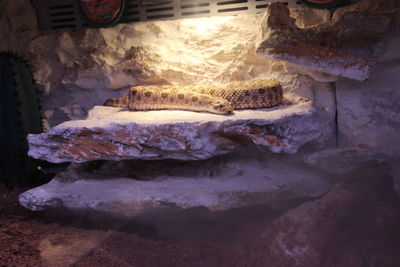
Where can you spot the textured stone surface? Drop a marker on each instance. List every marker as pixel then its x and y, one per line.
pixel 369 112
pixel 343 46
pixel 76 70
pixel 348 159
pixel 349 225
pixel 131 187
pixel 115 134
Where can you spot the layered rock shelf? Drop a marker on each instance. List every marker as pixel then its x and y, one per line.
pixel 117 134
pixel 172 159
pixel 132 187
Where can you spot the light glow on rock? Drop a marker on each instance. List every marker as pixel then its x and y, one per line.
pixel 204 26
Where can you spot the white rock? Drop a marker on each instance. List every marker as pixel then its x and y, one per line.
pixel 86 67
pixel 369 112
pixel 216 186
pixel 115 134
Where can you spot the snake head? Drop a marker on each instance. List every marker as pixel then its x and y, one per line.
pixel 222 106
pixel 121 102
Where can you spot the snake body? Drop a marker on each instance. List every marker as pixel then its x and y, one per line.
pixel 220 100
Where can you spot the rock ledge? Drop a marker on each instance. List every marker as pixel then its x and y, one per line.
pixel 116 134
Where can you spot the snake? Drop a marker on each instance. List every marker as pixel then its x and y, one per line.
pixel 222 99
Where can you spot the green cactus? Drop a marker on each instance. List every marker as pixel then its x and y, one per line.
pixel 19 116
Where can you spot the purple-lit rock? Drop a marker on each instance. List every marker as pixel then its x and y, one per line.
pixel 351 212
pixel 342 160
pixel 115 134
pixel 131 187
pixel 369 112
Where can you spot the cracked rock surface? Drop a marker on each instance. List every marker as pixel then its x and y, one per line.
pixel 343 46
pixel 116 134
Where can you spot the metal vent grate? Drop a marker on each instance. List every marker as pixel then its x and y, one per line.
pixel 55 14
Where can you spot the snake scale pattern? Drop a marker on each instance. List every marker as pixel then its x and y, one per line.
pixel 221 100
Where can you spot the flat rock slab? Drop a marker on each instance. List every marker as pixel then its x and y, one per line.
pixel 118 134
pixel 216 186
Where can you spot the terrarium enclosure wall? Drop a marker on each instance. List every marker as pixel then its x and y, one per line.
pixel 339 117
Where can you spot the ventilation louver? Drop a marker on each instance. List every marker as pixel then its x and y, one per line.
pixel 55 14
